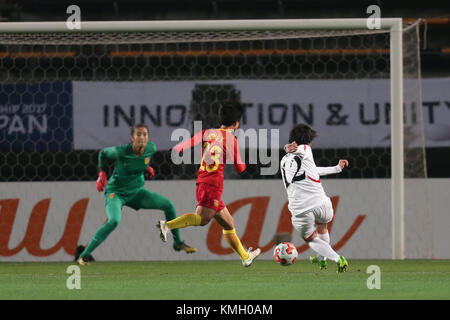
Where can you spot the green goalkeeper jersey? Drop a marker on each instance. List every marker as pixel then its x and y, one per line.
pixel 128 174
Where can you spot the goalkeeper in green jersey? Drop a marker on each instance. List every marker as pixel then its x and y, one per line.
pixel 126 188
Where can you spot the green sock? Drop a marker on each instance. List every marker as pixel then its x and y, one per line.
pixel 176 236
pixel 94 243
pixel 170 215
pixel 98 238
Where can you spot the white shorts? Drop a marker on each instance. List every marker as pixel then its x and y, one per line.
pixel 305 222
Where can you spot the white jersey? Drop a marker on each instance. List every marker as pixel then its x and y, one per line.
pixel 301 179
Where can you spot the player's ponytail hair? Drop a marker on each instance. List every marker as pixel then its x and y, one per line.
pixel 302 134
pixel 230 112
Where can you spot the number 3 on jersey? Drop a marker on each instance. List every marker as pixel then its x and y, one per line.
pixel 214 153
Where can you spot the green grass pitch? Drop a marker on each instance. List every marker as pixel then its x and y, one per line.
pixel 223 280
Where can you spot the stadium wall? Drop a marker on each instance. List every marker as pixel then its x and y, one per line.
pixel 45 221
pixel 102 110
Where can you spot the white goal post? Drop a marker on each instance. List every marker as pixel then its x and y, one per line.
pixel 393 25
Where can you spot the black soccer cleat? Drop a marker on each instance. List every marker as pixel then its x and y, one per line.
pixel 83 261
pixel 79 251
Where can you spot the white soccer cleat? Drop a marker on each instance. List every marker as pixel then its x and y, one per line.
pixel 251 256
pixel 163 228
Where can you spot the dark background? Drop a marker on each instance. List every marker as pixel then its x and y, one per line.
pixel 434 51
pixel 434 47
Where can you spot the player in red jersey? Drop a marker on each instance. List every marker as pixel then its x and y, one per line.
pixel 219 147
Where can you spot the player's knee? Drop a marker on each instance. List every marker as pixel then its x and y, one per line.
pixel 205 220
pixel 113 223
pixel 322 227
pixel 230 225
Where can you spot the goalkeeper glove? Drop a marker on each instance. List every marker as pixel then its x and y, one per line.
pixel 102 181
pixel 150 172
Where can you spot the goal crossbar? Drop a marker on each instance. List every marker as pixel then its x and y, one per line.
pixel 199 25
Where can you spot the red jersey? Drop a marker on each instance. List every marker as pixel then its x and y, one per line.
pixel 219 147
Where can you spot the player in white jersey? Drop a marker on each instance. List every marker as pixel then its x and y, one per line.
pixel 310 207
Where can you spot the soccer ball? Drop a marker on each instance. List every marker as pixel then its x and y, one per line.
pixel 285 254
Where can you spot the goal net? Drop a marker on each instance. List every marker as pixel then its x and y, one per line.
pixel 65 94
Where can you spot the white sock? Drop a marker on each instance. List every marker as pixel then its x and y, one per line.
pixel 323 248
pixel 325 237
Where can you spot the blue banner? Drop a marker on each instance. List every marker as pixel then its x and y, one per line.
pixel 36 117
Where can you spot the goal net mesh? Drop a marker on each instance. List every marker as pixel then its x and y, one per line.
pixel 38 72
